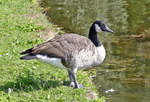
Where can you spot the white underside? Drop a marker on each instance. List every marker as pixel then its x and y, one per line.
pixel 53 61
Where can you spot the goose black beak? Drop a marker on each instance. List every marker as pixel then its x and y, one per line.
pixel 107 29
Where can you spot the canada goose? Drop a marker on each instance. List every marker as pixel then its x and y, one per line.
pixel 71 51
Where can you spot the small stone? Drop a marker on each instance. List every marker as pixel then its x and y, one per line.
pixel 91 95
pixel 110 90
pixel 10 90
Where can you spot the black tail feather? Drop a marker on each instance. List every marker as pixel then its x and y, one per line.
pixel 28 57
pixel 26 51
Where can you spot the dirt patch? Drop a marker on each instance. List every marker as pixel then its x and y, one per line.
pixel 47 34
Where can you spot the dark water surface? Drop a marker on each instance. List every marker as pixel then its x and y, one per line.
pixel 125 74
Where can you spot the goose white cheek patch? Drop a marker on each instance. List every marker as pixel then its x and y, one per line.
pixel 97 28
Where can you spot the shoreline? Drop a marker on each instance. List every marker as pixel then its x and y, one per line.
pixel 23 26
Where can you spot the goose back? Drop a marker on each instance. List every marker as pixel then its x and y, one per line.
pixel 60 46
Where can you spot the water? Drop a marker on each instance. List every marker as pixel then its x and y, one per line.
pixel 125 74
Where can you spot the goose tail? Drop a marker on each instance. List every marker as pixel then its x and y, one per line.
pixel 28 57
pixel 26 51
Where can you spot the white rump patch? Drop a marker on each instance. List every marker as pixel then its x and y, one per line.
pixel 97 28
pixel 53 61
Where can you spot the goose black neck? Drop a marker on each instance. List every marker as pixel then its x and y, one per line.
pixel 93 37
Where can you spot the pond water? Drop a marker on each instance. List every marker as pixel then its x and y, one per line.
pixel 125 74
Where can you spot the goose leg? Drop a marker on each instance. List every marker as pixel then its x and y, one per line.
pixel 72 84
pixel 73 79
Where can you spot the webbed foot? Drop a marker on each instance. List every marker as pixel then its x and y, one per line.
pixel 73 85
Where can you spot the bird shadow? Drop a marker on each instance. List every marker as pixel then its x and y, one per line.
pixel 29 82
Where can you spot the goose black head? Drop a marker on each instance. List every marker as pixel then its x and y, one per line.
pixel 100 26
pixel 97 26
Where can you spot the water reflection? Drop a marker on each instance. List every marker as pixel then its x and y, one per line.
pixel 77 16
pixel 126 72
pixel 126 67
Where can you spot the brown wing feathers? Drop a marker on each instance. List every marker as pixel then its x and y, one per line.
pixel 60 46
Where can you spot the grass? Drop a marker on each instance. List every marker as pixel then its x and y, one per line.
pixel 22 26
